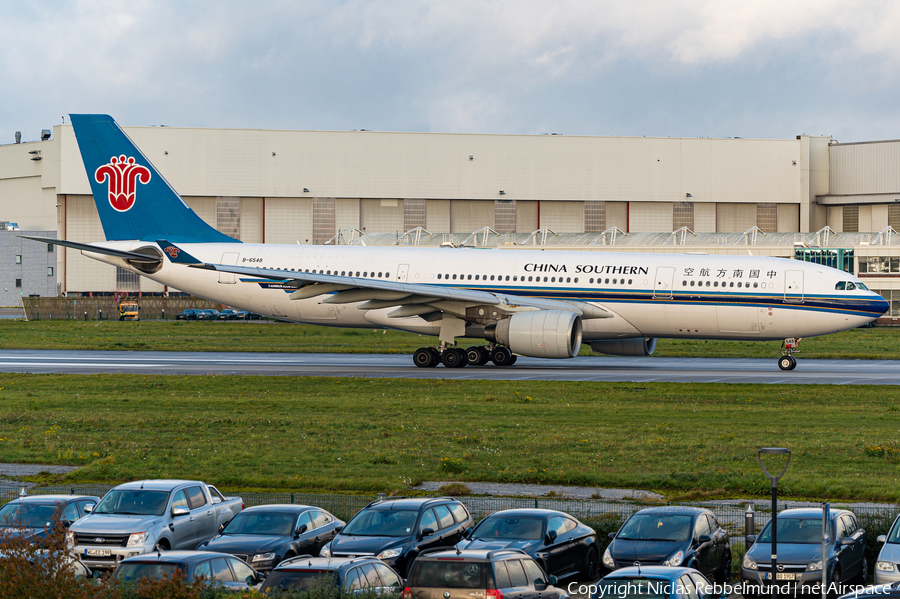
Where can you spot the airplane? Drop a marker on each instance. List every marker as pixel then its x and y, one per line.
pixel 521 302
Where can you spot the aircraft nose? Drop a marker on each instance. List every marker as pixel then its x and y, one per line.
pixel 881 304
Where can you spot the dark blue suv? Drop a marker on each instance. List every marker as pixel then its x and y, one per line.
pixel 395 530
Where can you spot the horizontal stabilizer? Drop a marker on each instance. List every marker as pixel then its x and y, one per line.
pixel 86 247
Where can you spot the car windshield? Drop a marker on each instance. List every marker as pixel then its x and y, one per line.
pixel 794 530
pixel 301 580
pixel 509 528
pixel 657 527
pixel 137 502
pixel 261 523
pixel 448 574
pixel 382 523
pixel 28 516
pixel 129 571
pixel 626 588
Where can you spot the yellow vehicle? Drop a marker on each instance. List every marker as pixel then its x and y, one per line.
pixel 128 310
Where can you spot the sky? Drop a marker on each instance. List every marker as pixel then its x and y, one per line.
pixel 654 68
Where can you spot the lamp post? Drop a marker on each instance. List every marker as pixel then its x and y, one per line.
pixel 774 480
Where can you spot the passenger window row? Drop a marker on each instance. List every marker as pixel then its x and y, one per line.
pixel 530 279
pixel 740 284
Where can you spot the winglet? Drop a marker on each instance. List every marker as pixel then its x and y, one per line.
pixel 176 254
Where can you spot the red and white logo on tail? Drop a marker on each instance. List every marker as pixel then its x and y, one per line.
pixel 123 175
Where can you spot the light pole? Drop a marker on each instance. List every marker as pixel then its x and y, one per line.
pixel 774 479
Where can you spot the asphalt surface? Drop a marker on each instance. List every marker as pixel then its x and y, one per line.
pixel 589 368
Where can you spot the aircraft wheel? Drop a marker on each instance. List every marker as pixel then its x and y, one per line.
pixel 473 356
pixel 793 362
pixel 787 362
pixel 514 358
pixel 485 355
pixel 454 358
pixel 501 356
pixel 424 358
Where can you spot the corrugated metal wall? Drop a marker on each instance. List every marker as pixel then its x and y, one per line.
pixel 83 225
pixel 289 220
pixel 650 217
pixel 204 207
pixel 467 216
pixel 788 218
pixel 381 216
pixel 735 218
pixel 864 168
pixel 346 213
pixel 704 218
pixel 252 220
pixel 563 217
pixel 437 216
pixel 617 215
pixel 527 216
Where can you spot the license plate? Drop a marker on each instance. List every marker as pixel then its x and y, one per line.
pixel 781 576
pixel 98 552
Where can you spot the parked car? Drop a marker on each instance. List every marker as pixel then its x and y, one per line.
pixel 208 314
pixel 189 314
pixel 139 517
pixel 397 529
pixel 800 552
pixel 462 574
pixel 655 582
pixel 228 314
pixel 671 536
pixel 560 544
pixel 217 568
pixel 244 315
pixel 886 566
pixel 264 535
pixel 35 516
pixel 349 573
pixel 47 568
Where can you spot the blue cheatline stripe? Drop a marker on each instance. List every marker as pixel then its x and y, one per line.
pixel 818 303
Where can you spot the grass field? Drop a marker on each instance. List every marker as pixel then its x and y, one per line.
pixel 368 435
pixel 876 343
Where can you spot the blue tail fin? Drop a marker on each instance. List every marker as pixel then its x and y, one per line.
pixel 133 199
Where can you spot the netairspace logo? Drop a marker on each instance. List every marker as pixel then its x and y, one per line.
pixel 631 589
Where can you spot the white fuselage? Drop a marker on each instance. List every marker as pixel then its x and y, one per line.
pixel 652 295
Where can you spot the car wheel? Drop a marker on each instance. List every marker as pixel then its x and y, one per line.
pixel 834 585
pixel 864 572
pixel 162 545
pixel 591 569
pixel 723 575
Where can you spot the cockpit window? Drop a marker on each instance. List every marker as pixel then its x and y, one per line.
pixel 850 286
pixel 861 286
pixel 841 286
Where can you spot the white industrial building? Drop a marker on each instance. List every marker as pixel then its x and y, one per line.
pixel 721 195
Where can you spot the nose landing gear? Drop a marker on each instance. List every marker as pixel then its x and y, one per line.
pixel 787 361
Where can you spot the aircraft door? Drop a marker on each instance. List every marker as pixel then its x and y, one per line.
pixel 402 273
pixel 793 286
pixel 230 259
pixel 662 287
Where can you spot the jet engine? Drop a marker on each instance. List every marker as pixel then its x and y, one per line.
pixel 539 334
pixel 633 346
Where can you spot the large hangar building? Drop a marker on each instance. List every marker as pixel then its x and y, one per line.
pixel 809 197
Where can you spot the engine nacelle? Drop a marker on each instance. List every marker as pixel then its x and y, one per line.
pixel 633 346
pixel 539 334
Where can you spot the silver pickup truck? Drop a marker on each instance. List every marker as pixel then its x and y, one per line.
pixel 150 515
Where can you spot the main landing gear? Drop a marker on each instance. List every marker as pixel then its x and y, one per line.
pixel 787 361
pixel 454 357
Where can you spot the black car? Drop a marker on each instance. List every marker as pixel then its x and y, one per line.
pixel 207 314
pixel 228 314
pixel 397 529
pixel 671 536
pixel 219 569
pixel 244 315
pixel 479 573
pixel 34 516
pixel 264 535
pixel 189 314
pixel 352 574
pixel 562 545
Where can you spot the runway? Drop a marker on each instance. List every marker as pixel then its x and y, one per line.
pixel 589 368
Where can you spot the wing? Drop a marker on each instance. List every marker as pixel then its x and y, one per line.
pixel 410 299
